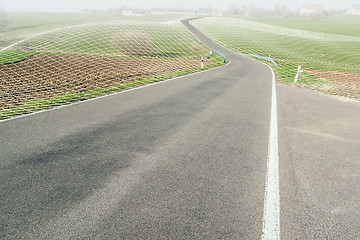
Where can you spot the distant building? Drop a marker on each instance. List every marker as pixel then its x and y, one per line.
pixel 353 9
pixel 217 12
pixel 127 13
pixel 171 11
pixel 210 12
pixel 311 9
pixel 133 12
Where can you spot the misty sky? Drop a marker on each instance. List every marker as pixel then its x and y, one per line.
pixel 78 5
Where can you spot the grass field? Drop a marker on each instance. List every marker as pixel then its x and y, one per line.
pixel 25 24
pixel 89 33
pixel 166 39
pixel 32 22
pixel 292 47
pixel 338 24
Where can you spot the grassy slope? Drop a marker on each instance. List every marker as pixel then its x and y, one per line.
pixel 291 47
pixel 29 23
pixel 339 24
pixel 167 41
pixel 89 40
pixel 9 56
pixel 320 50
pixel 25 24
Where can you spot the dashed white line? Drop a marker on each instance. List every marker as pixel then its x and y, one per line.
pixel 271 218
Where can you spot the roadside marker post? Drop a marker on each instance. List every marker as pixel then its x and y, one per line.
pixel 202 62
pixel 297 74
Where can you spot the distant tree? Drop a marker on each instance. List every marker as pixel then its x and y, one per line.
pixel 244 10
pixel 234 10
pixel 3 19
pixel 110 11
pixel 119 11
pixel 95 11
pixel 281 11
pixel 209 10
pixel 284 11
pixel 317 16
pixel 261 13
pixel 277 10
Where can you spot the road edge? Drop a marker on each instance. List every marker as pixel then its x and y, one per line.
pixel 271 217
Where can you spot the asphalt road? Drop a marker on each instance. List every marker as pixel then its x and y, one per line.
pixel 319 150
pixel 184 159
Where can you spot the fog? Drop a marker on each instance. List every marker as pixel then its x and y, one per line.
pixel 79 5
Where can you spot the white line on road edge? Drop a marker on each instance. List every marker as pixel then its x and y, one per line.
pixel 271 219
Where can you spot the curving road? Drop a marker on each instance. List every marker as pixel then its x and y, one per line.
pixel 184 159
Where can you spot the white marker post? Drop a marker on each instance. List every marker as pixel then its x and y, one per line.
pixel 202 62
pixel 301 72
pixel 297 74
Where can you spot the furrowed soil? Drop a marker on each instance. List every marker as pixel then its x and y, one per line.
pixel 49 75
pixel 347 83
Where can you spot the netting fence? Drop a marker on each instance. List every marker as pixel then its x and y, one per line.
pixel 330 62
pixel 75 63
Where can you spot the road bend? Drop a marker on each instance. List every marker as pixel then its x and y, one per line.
pixel 184 159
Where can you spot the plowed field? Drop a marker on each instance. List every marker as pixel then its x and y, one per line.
pixel 347 83
pixel 47 75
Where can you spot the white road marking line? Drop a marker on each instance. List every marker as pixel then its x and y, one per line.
pixel 271 219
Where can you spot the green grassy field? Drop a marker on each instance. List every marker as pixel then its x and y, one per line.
pixel 338 24
pixel 25 24
pixel 29 23
pixel 166 40
pixel 91 34
pixel 329 46
pixel 9 56
pixel 289 47
pixel 305 47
